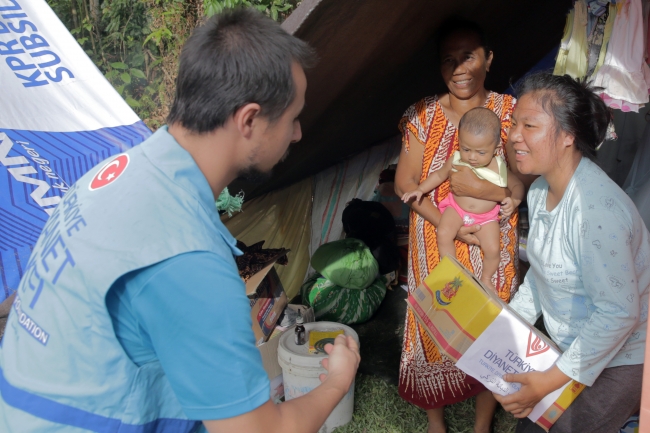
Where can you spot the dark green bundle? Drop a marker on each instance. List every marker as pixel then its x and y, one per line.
pixel 346 287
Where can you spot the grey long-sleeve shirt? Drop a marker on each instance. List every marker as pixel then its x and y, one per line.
pixel 589 274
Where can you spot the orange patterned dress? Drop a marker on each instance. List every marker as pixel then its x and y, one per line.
pixel 427 378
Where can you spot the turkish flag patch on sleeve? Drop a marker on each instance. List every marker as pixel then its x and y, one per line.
pixel 109 172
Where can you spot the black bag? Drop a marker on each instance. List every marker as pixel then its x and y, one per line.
pixel 373 224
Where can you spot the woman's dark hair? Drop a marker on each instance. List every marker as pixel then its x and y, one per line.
pixel 574 106
pixel 233 59
pixel 460 25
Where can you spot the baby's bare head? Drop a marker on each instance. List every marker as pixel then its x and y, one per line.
pixel 481 121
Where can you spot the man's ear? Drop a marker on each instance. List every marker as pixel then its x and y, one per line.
pixel 246 118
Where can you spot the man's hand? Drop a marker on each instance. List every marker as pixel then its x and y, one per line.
pixel 342 363
pixel 508 206
pixel 417 194
pixel 466 234
pixel 534 387
pixel 308 412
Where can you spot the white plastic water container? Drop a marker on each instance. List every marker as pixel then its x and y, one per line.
pixel 301 371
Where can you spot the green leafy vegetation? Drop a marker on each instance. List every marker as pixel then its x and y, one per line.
pixel 136 43
pixel 276 9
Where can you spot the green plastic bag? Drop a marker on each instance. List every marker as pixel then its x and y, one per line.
pixel 337 304
pixel 347 263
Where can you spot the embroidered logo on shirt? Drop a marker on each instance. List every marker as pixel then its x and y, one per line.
pixel 536 346
pixel 109 172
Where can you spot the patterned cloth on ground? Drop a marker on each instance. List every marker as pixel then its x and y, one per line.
pixel 338 304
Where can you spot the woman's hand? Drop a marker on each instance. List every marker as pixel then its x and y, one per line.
pixel 464 183
pixel 466 234
pixel 534 387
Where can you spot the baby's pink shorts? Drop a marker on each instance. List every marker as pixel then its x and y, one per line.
pixel 468 217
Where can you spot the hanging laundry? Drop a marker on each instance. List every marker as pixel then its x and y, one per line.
pixel 625 76
pixel 595 41
pixel 646 16
pixel 595 10
pixel 560 63
pixel 609 25
pixel 576 62
pixel 598 7
pixel 620 104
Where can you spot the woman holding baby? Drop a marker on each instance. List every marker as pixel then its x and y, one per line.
pixel 431 138
pixel 580 222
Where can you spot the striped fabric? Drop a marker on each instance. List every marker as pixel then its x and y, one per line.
pixel 355 177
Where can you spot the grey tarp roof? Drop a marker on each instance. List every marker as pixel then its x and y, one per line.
pixel 378 56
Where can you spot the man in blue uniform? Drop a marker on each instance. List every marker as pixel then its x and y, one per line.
pixel 131 316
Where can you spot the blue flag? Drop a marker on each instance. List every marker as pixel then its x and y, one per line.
pixel 59 117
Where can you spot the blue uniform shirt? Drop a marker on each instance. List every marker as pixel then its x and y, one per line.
pixel 191 313
pixel 130 220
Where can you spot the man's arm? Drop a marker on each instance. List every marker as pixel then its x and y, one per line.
pixel 179 303
pixel 305 414
pixel 534 387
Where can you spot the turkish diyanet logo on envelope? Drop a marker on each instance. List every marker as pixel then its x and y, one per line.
pixel 508 346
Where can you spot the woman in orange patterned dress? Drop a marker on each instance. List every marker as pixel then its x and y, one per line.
pixel 427 378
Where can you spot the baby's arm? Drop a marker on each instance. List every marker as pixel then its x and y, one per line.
pixel 516 188
pixel 430 183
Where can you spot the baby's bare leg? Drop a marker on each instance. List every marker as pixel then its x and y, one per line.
pixel 450 223
pixel 490 236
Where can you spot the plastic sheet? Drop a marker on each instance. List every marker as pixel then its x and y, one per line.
pixel 283 219
pixel 353 178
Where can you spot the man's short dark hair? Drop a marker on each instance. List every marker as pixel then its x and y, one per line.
pixel 235 58
pixel 479 121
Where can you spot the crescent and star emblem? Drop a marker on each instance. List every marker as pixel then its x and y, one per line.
pixel 109 172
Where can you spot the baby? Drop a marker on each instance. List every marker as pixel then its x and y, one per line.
pixel 479 134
